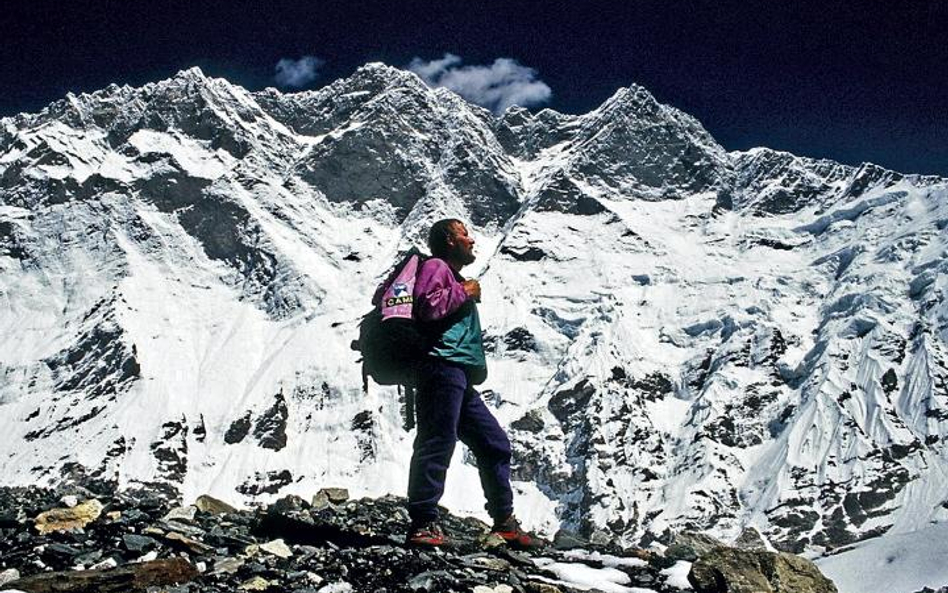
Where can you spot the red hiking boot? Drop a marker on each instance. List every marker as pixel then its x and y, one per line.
pixel 426 535
pixel 511 532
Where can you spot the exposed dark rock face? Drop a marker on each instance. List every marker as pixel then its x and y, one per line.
pixel 365 166
pixel 238 430
pixel 12 242
pixel 532 421
pixel 364 425
pixel 562 195
pixel 200 430
pixel 653 386
pixel 520 338
pixel 266 483
pixel 658 150
pixel 171 451
pixel 528 253
pixel 890 382
pixel 270 429
pixel 571 401
pixel 100 360
pixel 524 134
pixel 741 424
pixel 798 185
pixel 172 189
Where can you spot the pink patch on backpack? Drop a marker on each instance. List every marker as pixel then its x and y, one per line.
pixel 397 300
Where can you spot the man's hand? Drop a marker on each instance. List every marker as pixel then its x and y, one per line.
pixel 473 289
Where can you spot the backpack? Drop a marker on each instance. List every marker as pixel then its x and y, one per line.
pixel 390 340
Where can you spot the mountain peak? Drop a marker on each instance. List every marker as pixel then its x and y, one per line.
pixel 634 96
pixel 380 72
pixel 194 73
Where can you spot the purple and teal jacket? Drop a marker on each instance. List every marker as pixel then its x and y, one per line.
pixel 441 304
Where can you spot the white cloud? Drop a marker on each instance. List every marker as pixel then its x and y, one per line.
pixel 297 73
pixel 498 86
pixel 431 71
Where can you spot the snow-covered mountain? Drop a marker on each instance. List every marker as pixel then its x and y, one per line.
pixel 680 336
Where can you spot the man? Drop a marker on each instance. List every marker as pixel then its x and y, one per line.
pixel 447 406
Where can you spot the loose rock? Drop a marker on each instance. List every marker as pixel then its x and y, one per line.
pixel 538 587
pixel 181 514
pixel 138 543
pixel 64 519
pixel 105 564
pixel 290 546
pixel 186 542
pixel 256 584
pixel 116 580
pixel 332 495
pixel 209 504
pixel 277 548
pixel 227 565
pixel 9 575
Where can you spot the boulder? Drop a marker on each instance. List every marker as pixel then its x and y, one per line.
pixel 291 502
pixel 136 577
pixel 330 495
pixel 277 548
pixel 689 546
pixel 751 539
pixel 181 514
pixel 209 504
pixel 227 565
pixel 183 542
pixel 8 575
pixel 730 570
pixel 64 519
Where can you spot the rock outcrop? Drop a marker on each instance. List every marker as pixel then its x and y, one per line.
pixel 145 541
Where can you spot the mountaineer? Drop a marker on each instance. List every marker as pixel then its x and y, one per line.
pixel 447 406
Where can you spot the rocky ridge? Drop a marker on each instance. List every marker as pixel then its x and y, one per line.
pixel 140 541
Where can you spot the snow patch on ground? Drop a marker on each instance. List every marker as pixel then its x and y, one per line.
pixel 678 575
pixel 582 576
pixel 606 559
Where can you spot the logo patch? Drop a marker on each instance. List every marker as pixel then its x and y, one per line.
pixel 399 289
pixel 402 300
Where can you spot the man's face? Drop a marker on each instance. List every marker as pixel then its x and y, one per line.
pixel 461 244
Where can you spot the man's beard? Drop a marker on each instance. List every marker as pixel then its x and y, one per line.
pixel 465 257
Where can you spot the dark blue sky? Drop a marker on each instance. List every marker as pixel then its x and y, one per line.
pixel 853 81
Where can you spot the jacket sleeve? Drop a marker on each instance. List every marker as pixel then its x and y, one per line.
pixel 437 293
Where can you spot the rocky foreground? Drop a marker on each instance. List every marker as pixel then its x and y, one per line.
pixel 94 539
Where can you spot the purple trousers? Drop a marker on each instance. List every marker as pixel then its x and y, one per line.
pixel 449 410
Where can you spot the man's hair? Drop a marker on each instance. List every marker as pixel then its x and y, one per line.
pixel 438 236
